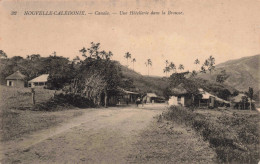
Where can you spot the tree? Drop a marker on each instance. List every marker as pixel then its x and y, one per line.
pixel 127 56
pixel 202 69
pixel 181 67
pixel 166 70
pixel 134 60
pixel 34 57
pixel 197 62
pixel 2 54
pixel 194 73
pixel 83 51
pixel 222 77
pixel 250 95
pixel 148 64
pixel 211 66
pixel 94 50
pixel 172 67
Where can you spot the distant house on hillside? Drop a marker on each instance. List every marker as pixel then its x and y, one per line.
pixel 16 79
pixel 40 81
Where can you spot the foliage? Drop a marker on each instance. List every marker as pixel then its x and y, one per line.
pixel 177 78
pixel 64 101
pixel 234 136
pixel 127 56
pixel 222 77
pixel 2 54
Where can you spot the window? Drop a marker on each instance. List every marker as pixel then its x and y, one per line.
pixel 179 98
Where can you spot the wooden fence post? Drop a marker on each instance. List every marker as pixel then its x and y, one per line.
pixel 33 96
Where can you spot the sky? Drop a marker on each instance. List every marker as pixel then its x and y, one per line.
pixel 225 29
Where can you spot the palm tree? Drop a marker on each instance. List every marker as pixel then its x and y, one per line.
pixel 127 55
pixel 166 70
pixel 134 60
pixel 148 64
pixel 211 66
pixel 202 69
pixel 172 67
pixel 197 62
pixel 181 67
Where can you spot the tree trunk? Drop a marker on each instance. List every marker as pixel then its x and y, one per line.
pixel 99 100
pixel 105 98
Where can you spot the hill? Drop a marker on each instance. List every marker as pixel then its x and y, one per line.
pixel 243 73
pixel 145 84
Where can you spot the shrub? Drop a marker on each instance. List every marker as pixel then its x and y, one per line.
pixel 233 136
pixel 64 101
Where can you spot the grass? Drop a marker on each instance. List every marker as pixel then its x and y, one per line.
pixel 17 117
pixel 233 134
pixel 17 123
pixel 166 142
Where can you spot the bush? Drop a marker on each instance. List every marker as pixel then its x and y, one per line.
pixel 64 101
pixel 234 137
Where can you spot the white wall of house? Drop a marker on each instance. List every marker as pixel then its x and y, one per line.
pixel 174 100
pixel 10 83
pixel 37 84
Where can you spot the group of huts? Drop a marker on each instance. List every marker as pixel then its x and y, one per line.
pixel 189 95
pixel 184 94
pixel 18 80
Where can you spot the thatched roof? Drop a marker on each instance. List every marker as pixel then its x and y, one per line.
pixel 184 88
pixel 16 76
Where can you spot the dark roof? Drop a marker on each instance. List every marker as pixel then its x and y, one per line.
pixel 16 76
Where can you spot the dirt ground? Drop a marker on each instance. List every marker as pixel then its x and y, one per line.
pixel 112 135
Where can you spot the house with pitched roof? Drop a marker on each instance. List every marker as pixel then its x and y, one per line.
pixel 39 82
pixel 16 79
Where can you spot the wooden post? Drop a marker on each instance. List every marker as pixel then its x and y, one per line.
pixel 33 96
pixel 105 99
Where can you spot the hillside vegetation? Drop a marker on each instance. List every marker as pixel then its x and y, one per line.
pixel 243 73
pixel 145 84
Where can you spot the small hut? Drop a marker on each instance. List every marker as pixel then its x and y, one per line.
pixel 150 97
pixel 183 95
pixel 16 79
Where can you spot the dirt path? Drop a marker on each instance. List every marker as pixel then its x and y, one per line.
pixel 112 135
pixel 98 136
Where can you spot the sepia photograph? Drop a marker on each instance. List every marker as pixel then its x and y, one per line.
pixel 130 81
